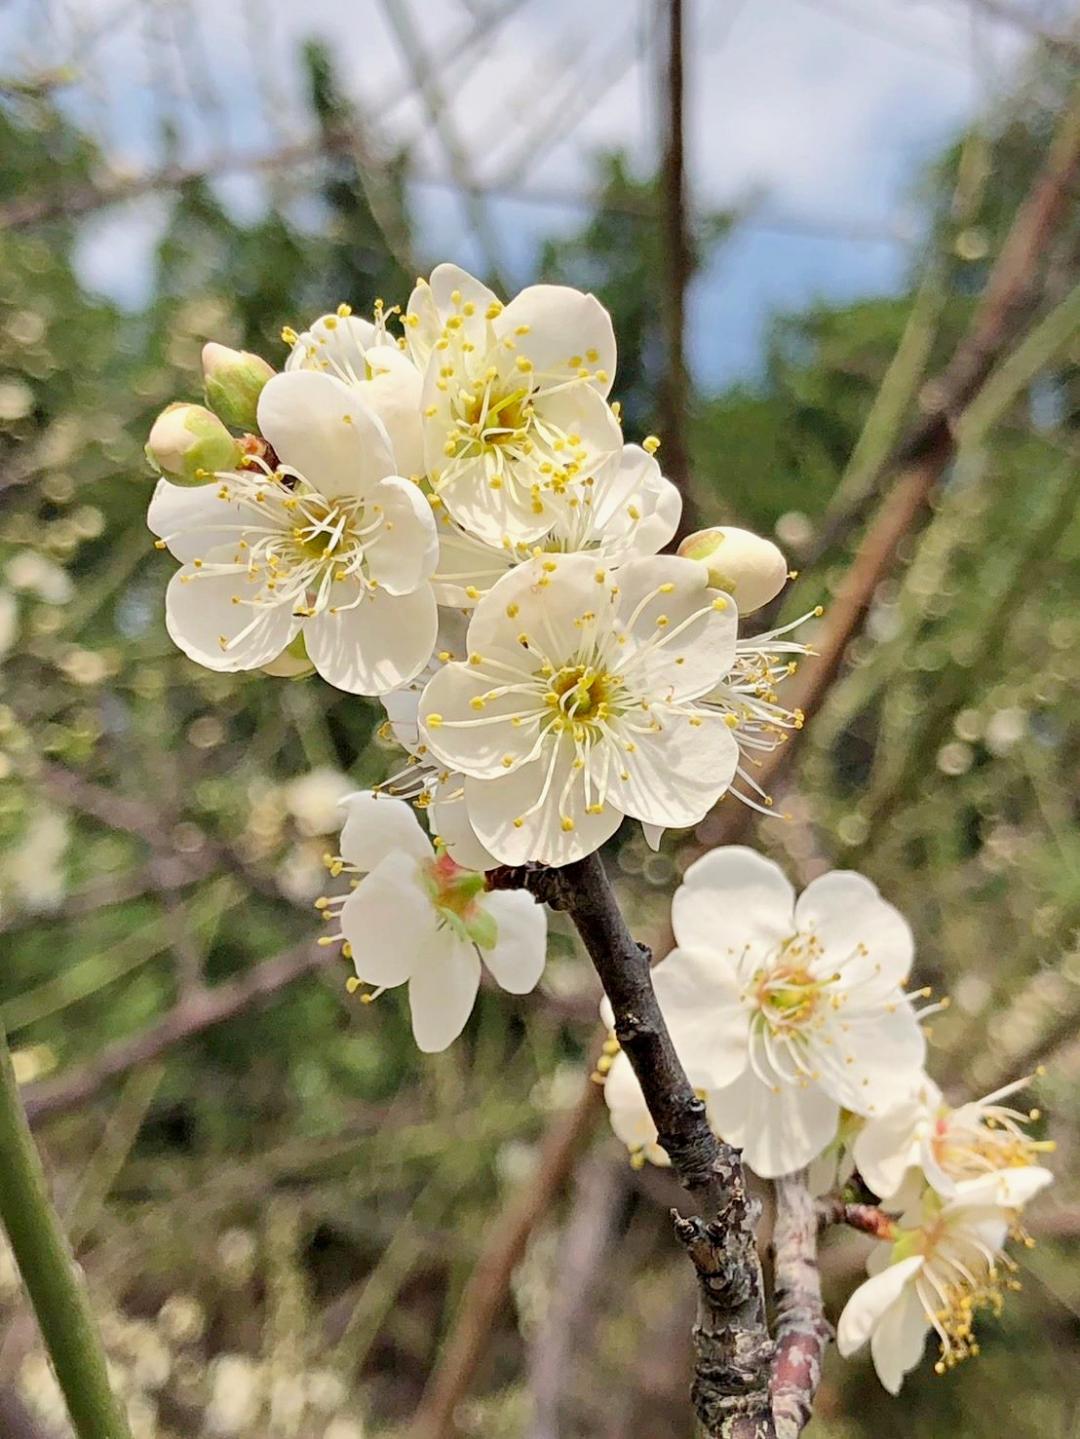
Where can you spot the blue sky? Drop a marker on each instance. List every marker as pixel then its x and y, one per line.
pixel 820 112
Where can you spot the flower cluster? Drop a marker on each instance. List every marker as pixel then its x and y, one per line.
pixel 792 1020
pixel 448 518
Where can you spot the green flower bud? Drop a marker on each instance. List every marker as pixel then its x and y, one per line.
pixel 234 381
pixel 188 444
pixel 744 565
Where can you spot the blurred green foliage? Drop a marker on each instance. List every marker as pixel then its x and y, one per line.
pixel 288 1207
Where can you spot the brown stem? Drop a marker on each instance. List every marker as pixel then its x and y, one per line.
pixel 866 1218
pixel 733 1349
pixel 802 1331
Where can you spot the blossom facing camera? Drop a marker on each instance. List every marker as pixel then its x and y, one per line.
pixel 743 564
pixel 941 1268
pixel 331 545
pixel 787 1012
pixel 417 918
pixel 189 443
pixel 577 704
pixel 515 414
pixel 233 381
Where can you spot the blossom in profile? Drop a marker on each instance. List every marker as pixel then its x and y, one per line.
pixel 330 544
pixel 925 1139
pixel 514 406
pixel 944 1265
pixel 788 1011
pixel 629 512
pixel 577 704
pixel 417 918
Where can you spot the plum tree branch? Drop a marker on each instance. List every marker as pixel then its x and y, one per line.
pixel 739 1371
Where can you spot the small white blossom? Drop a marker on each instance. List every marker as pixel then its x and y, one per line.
pixel 947 1146
pixel 362 355
pixel 943 1266
pixel 516 420
pixel 630 511
pixel 577 704
pixel 332 544
pixel 416 917
pixel 787 1012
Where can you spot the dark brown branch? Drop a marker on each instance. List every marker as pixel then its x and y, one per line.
pixel 802 1331
pixel 198 1011
pixel 733 1349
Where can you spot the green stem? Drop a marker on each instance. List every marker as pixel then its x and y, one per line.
pixel 50 1273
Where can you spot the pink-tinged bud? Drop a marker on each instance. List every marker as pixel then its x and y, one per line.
pixel 234 380
pixel 189 444
pixel 749 568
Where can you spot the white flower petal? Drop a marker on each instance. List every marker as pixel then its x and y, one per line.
pixel 732 898
pixel 674 778
pixel 442 990
pixel 336 344
pixel 871 1061
pixel 701 1000
pixel 389 921
pixel 448 816
pixel 192 519
pixel 468 731
pixel 520 952
pixel 494 804
pixel 1005 1188
pixel 681 634
pixel 320 427
pixel 564 325
pixel 779 1130
pixel 870 1301
pixel 378 824
pixel 899 1339
pixel 637 510
pixel 464 564
pixel 382 643
pixel 543 599
pixel 846 911
pixel 629 1115
pixel 888 1146
pixel 403 552
pixel 654 835
pixel 395 393
pixel 492 515
pixel 203 620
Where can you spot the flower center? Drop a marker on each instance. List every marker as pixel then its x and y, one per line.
pixel 456 894
pixel 493 418
pixel 582 693
pixel 789 996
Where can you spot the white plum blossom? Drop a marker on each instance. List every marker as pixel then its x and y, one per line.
pixel 416 917
pixel 515 415
pixel 578 704
pixel 787 1012
pixel 331 544
pixel 946 1146
pixel 944 1265
pixel 364 356
pixel 631 511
